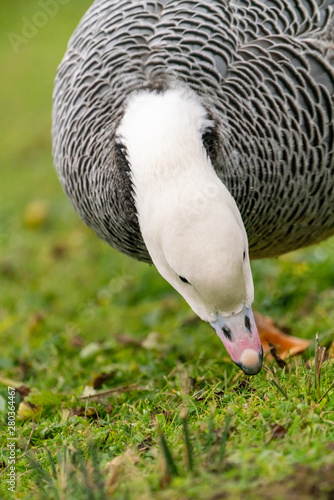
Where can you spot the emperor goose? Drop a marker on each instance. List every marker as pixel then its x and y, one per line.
pixel 197 135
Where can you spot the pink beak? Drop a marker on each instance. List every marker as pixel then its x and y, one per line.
pixel 240 337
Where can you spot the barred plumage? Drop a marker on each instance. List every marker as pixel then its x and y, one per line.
pixel 264 71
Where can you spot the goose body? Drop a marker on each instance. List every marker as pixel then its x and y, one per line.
pixel 197 134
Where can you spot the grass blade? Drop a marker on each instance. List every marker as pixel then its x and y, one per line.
pixel 315 361
pixel 222 446
pixel 52 464
pixel 318 361
pixel 169 461
pixel 276 384
pixel 325 394
pixel 279 388
pixel 189 451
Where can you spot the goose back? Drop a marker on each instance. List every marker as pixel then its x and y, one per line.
pixel 263 69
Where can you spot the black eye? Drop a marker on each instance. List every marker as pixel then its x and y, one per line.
pixel 244 255
pixel 184 280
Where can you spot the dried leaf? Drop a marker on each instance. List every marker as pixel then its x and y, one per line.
pixel 10 382
pixel 98 380
pixel 219 396
pixel 153 419
pixel 91 350
pixel 243 385
pixel 168 416
pixel 7 269
pixel 117 467
pixel 151 341
pixel 145 444
pixel 285 344
pixel 65 413
pixel 125 339
pixel 27 410
pixel 36 214
pixel 76 341
pixel 82 411
pixel 186 382
pixel 109 408
pixel 35 321
pixel 23 391
pixel 305 482
pixel 277 431
pixel 88 392
pixel 25 368
pixel 59 251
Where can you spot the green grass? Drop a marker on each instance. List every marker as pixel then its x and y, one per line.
pixel 72 309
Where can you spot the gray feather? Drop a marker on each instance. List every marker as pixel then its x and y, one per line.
pixel 264 70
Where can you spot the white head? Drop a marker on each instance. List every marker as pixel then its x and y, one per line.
pixel 189 221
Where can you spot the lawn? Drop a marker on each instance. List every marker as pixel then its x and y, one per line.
pixel 120 391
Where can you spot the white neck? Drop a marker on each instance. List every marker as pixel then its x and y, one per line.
pixel 183 207
pixel 162 133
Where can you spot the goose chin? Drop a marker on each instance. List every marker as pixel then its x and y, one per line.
pixel 241 339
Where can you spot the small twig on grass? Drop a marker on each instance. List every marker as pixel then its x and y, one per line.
pixel 112 392
pixel 9 382
pixel 281 363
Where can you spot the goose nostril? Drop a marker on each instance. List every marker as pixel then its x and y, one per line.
pixel 227 332
pixel 247 324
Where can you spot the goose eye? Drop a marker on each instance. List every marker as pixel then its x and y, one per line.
pixel 184 280
pixel 244 255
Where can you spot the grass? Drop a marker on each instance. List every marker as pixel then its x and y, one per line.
pixel 78 319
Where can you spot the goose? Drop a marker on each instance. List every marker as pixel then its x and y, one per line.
pixel 197 135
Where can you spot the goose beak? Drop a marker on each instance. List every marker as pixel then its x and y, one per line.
pixel 240 337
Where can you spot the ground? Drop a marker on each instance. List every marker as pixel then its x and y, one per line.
pixel 77 320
